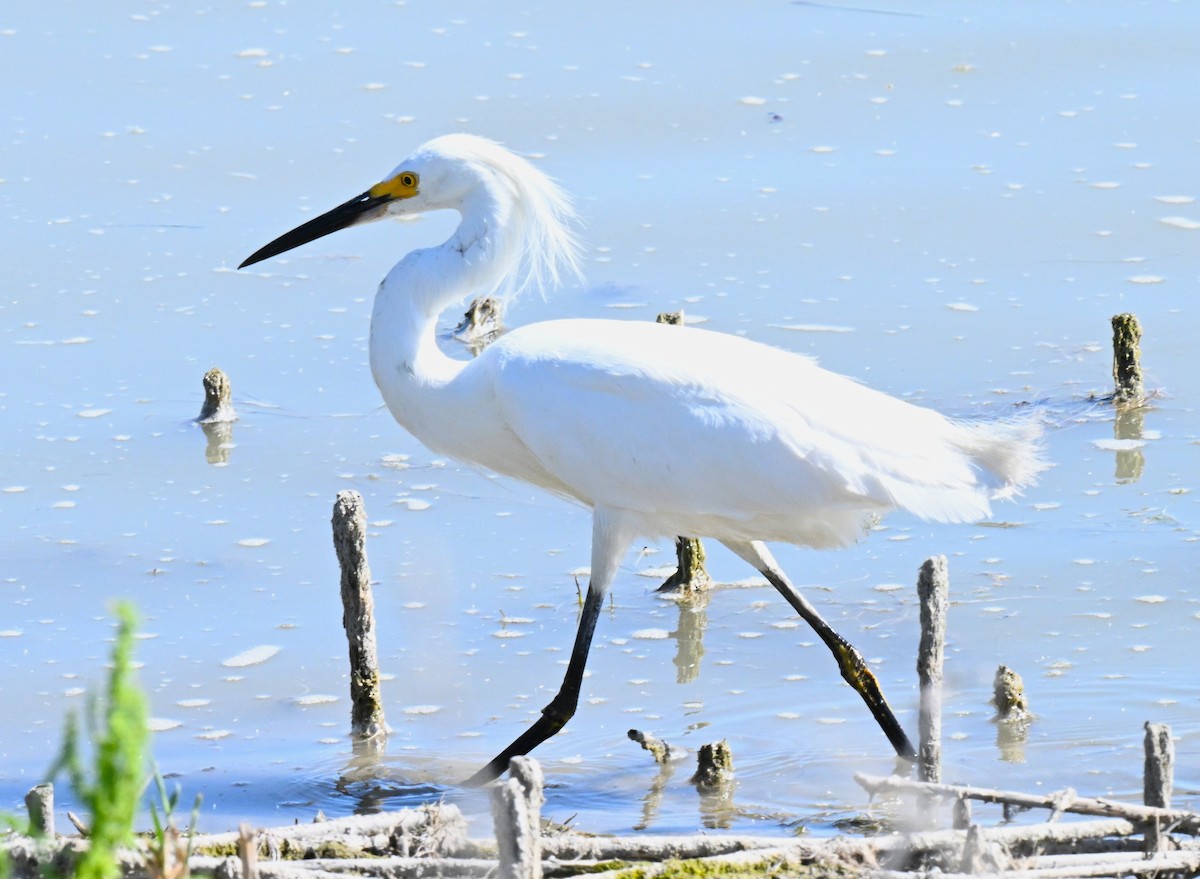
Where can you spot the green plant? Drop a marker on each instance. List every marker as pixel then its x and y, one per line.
pixel 117 728
pixel 169 853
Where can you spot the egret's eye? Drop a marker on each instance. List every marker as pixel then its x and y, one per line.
pixel 403 185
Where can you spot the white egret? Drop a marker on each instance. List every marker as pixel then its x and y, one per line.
pixel 660 430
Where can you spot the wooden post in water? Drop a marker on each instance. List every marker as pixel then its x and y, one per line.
pixel 1158 781
pixel 714 767
pixel 1127 360
pixel 690 575
pixel 517 815
pixel 1008 695
pixel 933 588
pixel 40 804
pixel 218 399
pixel 358 615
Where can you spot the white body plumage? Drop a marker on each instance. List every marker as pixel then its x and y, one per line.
pixel 661 430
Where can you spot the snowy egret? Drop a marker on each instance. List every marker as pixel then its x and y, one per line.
pixel 660 430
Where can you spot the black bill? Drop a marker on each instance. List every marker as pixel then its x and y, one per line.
pixel 359 209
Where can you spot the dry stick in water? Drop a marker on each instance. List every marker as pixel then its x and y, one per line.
pixel 933 588
pixel 358 615
pixel 1127 360
pixel 1158 781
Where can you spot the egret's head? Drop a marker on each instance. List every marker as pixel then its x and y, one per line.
pixel 444 173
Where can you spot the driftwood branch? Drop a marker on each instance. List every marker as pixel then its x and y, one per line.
pixel 1184 822
pixel 438 829
pixel 1077 867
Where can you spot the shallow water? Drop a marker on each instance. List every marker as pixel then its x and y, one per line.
pixel 947 203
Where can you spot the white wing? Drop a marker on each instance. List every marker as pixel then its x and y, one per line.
pixel 713 435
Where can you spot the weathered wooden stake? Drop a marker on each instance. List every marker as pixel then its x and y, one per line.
pixel 358 615
pixel 517 815
pixel 933 588
pixel 218 403
pixel 248 851
pixel 40 803
pixel 1158 781
pixel 1127 361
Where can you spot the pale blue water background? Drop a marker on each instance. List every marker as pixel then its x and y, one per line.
pixel 958 195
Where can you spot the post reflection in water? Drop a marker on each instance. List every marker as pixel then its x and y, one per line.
pixel 689 635
pixel 1129 431
pixel 220 441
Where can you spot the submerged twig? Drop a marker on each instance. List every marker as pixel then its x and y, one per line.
pixel 660 750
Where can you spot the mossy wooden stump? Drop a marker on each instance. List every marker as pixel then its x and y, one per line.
pixel 1009 695
pixel 714 767
pixel 218 399
pixel 1128 389
pixel 482 324
pixel 690 575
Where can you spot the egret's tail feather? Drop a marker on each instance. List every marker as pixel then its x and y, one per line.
pixel 984 462
pixel 1008 454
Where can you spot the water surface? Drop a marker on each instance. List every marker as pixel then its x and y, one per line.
pixel 945 201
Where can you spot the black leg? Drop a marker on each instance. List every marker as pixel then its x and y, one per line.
pixel 610 539
pixel 562 706
pixel 850 662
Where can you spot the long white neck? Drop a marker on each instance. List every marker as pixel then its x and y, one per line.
pixel 412 372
